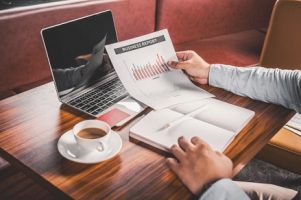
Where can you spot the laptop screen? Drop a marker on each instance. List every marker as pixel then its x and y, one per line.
pixel 76 51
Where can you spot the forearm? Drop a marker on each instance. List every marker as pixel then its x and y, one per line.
pixel 224 189
pixel 276 86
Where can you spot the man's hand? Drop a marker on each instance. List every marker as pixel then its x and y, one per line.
pixel 194 66
pixel 196 164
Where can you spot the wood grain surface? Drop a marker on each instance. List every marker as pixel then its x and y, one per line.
pixel 15 185
pixel 32 122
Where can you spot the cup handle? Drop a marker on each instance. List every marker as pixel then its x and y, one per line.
pixel 100 146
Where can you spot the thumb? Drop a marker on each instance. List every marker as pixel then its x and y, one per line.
pixel 173 165
pixel 179 65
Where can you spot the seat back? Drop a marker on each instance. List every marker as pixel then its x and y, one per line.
pixel 199 19
pixel 23 58
pixel 282 46
pixel 282 49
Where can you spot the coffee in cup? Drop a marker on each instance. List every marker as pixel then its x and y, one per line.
pixel 92 135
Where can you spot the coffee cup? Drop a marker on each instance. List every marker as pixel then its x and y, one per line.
pixel 92 135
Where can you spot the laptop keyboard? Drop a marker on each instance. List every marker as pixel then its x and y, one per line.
pixel 100 97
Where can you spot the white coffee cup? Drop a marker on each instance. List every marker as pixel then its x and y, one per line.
pixel 99 143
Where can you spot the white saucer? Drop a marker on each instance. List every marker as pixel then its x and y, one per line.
pixel 69 149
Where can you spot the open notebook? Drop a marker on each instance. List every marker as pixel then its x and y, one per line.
pixel 217 123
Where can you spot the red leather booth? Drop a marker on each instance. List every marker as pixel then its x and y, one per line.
pixel 228 31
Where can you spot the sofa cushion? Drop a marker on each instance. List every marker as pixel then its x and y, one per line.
pixel 195 19
pixel 287 146
pixel 23 58
pixel 240 49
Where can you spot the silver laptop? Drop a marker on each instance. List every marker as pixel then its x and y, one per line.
pixel 82 71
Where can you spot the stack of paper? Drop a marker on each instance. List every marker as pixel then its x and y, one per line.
pixel 294 124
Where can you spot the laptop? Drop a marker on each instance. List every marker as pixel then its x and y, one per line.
pixel 81 69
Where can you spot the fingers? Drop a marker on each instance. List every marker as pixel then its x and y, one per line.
pixel 173 165
pixel 172 64
pixel 185 144
pixel 198 141
pixel 178 65
pixel 177 152
pixel 201 144
pixel 185 55
pixel 184 60
pixel 181 55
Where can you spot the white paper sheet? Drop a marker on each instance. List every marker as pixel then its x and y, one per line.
pixel 141 64
pixel 294 124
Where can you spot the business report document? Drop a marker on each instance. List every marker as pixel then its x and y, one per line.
pixel 141 64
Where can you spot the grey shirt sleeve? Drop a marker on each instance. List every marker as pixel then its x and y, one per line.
pixel 224 189
pixel 276 86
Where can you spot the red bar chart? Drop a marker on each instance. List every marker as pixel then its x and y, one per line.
pixel 149 70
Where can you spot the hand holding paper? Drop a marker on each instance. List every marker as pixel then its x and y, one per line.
pixel 141 64
pixel 195 67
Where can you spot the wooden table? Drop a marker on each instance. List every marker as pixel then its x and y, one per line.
pixel 32 122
